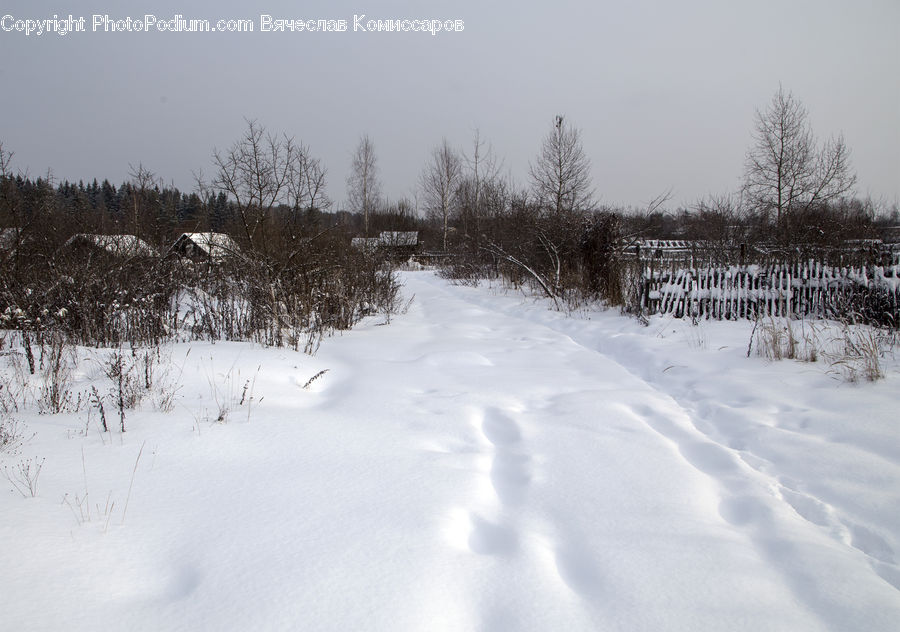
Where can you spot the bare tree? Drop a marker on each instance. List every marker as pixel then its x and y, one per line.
pixel 482 170
pixel 256 172
pixel 140 190
pixel 561 176
pixel 9 208
pixel 5 162
pixel 306 186
pixel 363 185
pixel 440 180
pixel 786 170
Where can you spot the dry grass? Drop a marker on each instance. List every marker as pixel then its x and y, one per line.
pixel 785 339
pixel 860 354
pixel 853 352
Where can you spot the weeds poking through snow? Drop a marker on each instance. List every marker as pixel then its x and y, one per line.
pixel 24 476
pixel 81 505
pixel 778 339
pixel 223 400
pixel 97 401
pixel 775 339
pixel 8 400
pixel 56 371
pixel 248 397
pixel 853 352
pixel 166 385
pixel 81 509
pixel 133 472
pixel 696 336
pixel 227 397
pixel 29 354
pixel 859 356
pixel 78 509
pixel 11 435
pixel 314 378
pixel 126 389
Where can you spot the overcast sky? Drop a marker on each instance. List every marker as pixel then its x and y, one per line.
pixel 664 92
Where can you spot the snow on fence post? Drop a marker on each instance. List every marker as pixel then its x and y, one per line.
pixel 809 288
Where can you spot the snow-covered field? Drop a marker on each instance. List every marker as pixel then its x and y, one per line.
pixel 480 463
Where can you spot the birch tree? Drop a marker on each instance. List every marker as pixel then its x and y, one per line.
pixel 787 170
pixel 440 180
pixel 363 185
pixel 481 172
pixel 561 175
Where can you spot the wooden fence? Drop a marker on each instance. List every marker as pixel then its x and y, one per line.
pixel 732 292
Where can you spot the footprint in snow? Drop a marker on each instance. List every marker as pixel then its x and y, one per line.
pixel 510 476
pixel 488 538
pixel 454 359
pixel 499 428
pixel 871 544
pixel 708 457
pixel 578 570
pixel 743 510
pixel 807 507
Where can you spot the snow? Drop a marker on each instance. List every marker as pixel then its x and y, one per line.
pixel 482 462
pixel 118 245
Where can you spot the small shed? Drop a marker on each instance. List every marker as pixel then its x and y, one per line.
pixel 399 245
pixel 668 248
pixel 211 247
pixel 399 239
pixel 366 244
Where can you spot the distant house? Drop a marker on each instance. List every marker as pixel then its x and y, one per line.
pixel 211 247
pixel 393 242
pixel 124 246
pixel 399 239
pixel 666 247
pixel 400 245
pixel 367 244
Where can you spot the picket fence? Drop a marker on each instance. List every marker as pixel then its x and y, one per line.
pixel 808 289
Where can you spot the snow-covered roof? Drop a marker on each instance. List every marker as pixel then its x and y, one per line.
pixel 387 239
pixel 216 246
pixel 399 238
pixel 669 244
pixel 118 245
pixel 364 243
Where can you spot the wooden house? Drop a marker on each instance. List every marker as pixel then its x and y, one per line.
pixel 205 247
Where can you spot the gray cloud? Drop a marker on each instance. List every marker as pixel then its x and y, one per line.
pixel 663 92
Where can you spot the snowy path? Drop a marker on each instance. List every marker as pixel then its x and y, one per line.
pixel 460 469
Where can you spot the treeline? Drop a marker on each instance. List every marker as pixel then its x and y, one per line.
pixel 42 212
pixel 296 283
pixel 295 269
pixel 795 203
